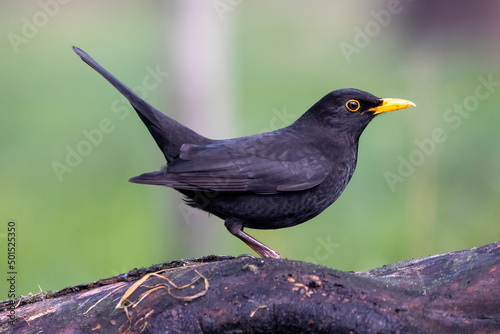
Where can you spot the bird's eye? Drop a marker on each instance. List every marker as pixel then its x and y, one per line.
pixel 352 105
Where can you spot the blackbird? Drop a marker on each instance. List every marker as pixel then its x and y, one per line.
pixel 266 181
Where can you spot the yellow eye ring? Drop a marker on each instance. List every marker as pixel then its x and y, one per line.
pixel 352 105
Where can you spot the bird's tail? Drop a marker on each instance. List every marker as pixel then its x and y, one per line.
pixel 168 134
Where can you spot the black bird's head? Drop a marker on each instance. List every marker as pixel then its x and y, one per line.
pixel 349 111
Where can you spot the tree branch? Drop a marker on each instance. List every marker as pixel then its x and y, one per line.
pixel 447 293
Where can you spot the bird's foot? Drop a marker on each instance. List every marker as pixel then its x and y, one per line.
pixel 235 228
pixel 267 253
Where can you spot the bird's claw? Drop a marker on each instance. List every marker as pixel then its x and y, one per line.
pixel 245 255
pixel 269 254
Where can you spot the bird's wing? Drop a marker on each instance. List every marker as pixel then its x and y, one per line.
pixel 242 168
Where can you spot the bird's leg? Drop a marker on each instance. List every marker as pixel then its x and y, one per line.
pixel 235 227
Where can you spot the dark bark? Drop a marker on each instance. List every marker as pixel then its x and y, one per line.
pixel 457 292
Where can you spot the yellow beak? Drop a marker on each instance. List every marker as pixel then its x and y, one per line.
pixel 391 104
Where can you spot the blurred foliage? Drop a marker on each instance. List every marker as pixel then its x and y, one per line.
pixel 286 55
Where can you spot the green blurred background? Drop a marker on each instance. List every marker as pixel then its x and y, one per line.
pixel 237 68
